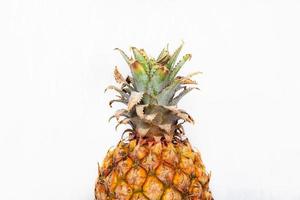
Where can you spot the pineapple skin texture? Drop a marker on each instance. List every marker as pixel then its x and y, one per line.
pixel 151 170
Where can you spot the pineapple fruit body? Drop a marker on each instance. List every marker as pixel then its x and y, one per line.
pixel 156 160
pixel 148 169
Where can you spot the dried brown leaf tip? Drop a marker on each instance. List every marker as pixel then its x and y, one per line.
pixel 118 76
pixel 185 80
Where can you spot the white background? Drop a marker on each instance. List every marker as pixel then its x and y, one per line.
pixel 56 58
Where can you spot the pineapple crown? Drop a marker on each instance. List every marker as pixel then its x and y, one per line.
pixel 154 85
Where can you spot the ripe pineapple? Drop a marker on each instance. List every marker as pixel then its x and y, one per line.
pixel 155 161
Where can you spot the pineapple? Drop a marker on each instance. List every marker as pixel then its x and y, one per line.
pixel 153 160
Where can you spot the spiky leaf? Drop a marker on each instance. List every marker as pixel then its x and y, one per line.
pixel 123 94
pixel 164 56
pixel 185 80
pixel 173 58
pixel 178 66
pixel 180 95
pixel 118 76
pixel 180 113
pixel 134 99
pixel 159 78
pixel 123 54
pixel 140 76
pixel 167 94
pixel 139 55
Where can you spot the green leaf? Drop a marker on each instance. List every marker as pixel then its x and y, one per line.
pixel 140 76
pixel 126 58
pixel 178 66
pixel 141 58
pixel 167 93
pixel 159 78
pixel 164 56
pixel 180 95
pixel 173 58
pixel 152 63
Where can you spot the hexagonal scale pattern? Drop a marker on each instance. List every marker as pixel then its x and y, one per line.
pixel 153 188
pixel 157 171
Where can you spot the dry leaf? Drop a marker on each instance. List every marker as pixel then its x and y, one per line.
pixel 118 76
pixel 134 99
pixel 186 80
pixel 124 121
pixel 150 117
pixel 166 127
pixel 180 113
pixel 140 111
pixel 142 131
